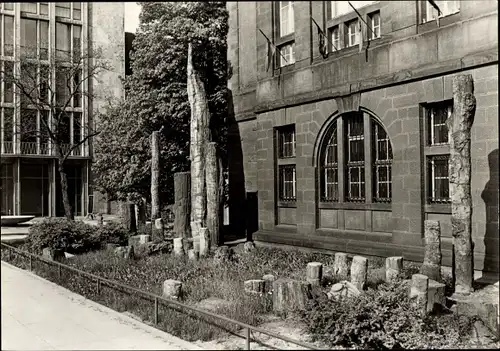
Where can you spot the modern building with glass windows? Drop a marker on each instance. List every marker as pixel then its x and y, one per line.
pixel 345 144
pixel 42 32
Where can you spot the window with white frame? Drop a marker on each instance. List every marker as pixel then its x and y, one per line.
pixel 287 54
pixel 339 8
pixel 352 33
pixel 335 39
pixel 429 13
pixel 287 24
pixel 374 24
pixel 346 140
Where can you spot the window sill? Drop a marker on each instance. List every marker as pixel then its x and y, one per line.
pixel 287 204
pixel 438 208
pixel 355 206
pixel 443 21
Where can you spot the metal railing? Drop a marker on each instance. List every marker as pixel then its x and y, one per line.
pixel 157 299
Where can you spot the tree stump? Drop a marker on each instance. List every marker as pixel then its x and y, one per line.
pixel 459 126
pixel 290 295
pixel 204 242
pixel 155 179
pixel 200 136
pixel 432 254
pixel 359 269
pixel 182 186
pixel 314 273
pixel 213 201
pixel 393 267
pixel 341 266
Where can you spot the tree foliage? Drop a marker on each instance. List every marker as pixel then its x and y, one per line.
pixel 156 96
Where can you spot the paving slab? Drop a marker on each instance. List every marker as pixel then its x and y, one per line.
pixel 40 315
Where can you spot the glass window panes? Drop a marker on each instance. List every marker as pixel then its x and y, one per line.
pixel 352 33
pixel 438 179
pixel 374 23
pixel 63 9
pixel 287 54
pixel 28 37
pixel 287 183
pixel 447 8
pixel 44 8
pixel 335 38
pixel 44 40
pixel 437 115
pixel 286 18
pixel 63 40
pixel 287 142
pixel 30 7
pixel 8 35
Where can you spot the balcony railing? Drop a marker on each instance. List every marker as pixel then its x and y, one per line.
pixel 34 148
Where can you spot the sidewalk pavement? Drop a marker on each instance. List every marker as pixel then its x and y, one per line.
pixel 40 315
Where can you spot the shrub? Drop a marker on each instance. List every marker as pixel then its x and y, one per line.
pixel 113 233
pixel 381 318
pixel 59 233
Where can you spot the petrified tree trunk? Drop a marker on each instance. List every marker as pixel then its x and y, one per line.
pixel 459 125
pixel 155 175
pixel 213 201
pixel 432 254
pixel 200 135
pixel 182 189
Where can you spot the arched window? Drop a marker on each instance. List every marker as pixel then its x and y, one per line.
pixel 356 161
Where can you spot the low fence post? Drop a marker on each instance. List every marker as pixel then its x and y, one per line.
pixel 156 311
pixel 248 338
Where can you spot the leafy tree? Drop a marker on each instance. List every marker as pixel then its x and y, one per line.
pixel 45 103
pixel 156 96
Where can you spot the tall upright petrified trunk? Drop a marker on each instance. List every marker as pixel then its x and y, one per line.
pixel 200 135
pixel 213 209
pixel 459 125
pixel 155 178
pixel 182 189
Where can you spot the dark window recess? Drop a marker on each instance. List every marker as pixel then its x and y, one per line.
pixel 439 183
pixel 286 142
pixel 287 183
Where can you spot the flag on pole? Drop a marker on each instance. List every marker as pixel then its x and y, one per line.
pixel 322 40
pixel 433 3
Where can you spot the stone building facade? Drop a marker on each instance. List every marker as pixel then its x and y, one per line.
pixel 29 176
pixel 346 150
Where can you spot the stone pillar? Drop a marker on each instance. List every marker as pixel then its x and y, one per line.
pixel 204 240
pixel 359 269
pixel 393 267
pixel 432 255
pixel 178 247
pixel 341 266
pixel 314 273
pixel 459 126
pixel 419 290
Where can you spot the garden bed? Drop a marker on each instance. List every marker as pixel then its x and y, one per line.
pixel 205 279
